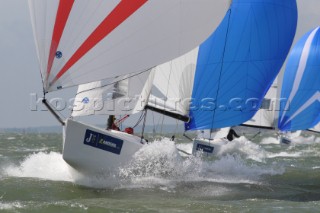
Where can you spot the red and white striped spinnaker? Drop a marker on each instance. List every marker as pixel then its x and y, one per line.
pixel 84 41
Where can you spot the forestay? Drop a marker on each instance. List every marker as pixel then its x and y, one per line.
pixel 84 41
pixel 301 85
pixel 238 63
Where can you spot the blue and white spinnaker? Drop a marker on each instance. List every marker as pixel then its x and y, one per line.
pixel 301 85
pixel 238 63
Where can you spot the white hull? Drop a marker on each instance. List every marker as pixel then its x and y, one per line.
pixel 207 147
pixel 92 150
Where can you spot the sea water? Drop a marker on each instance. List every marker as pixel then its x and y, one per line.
pixel 247 175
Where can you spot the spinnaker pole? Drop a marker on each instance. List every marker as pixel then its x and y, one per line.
pixel 53 112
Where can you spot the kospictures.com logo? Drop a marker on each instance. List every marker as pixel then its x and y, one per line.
pixel 137 103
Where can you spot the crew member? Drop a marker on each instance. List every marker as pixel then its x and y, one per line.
pixel 232 134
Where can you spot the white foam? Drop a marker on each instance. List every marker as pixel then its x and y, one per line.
pixel 160 164
pixel 29 205
pixel 317 140
pixel 232 169
pixel 304 140
pixel 269 140
pixel 245 148
pixel 42 165
pixel 10 206
pixel 158 158
pixel 186 147
pixel 285 154
pixel 295 140
pixel 33 149
pixel 10 138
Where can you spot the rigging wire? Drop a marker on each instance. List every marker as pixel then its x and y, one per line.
pixel 220 74
pixel 153 127
pixel 144 125
pixel 140 119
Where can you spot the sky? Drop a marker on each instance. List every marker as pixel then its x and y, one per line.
pixel 20 82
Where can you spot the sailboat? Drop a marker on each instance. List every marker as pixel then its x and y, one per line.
pixel 79 42
pixel 301 85
pixel 125 95
pixel 266 118
pixel 231 71
pixel 292 105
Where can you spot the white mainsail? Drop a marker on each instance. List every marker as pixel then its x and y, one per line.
pixel 84 41
pixel 266 116
pixel 123 95
pixel 174 83
pixel 316 128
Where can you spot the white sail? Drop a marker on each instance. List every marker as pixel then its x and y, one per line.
pixel 267 115
pixel 84 41
pixel 213 134
pixel 174 82
pixel 123 95
pixel 316 128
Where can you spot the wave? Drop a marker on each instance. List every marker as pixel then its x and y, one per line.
pixel 301 140
pixel 285 154
pixel 245 148
pixel 30 206
pixel 49 166
pixel 158 164
pixel 269 140
pixel 11 206
pixel 11 138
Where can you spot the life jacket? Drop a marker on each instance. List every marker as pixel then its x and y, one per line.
pixel 114 127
